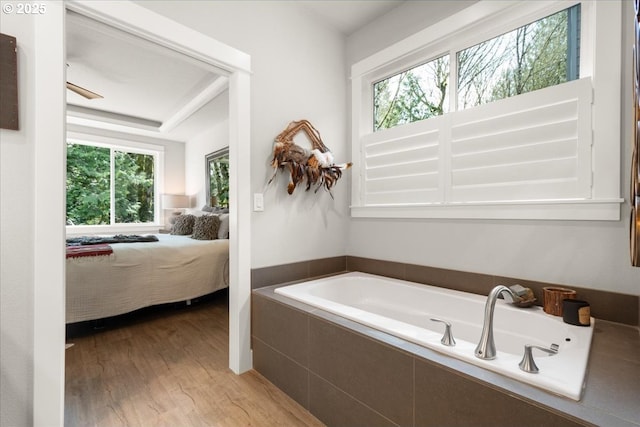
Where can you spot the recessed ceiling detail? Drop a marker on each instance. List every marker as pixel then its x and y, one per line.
pixel 143 85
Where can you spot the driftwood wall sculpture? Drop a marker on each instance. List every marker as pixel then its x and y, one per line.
pixel 316 165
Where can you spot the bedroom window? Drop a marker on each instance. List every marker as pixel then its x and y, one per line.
pixel 110 185
pixel 490 114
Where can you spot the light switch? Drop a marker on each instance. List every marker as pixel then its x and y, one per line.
pixel 258 202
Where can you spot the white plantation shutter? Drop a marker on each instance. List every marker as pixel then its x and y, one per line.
pixel 535 146
pixel 402 169
pixel 532 147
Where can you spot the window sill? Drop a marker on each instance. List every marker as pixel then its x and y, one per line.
pixel 572 210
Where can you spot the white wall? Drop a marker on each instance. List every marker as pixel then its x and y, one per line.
pixel 213 139
pixel 591 254
pixel 174 167
pixel 32 227
pixel 298 73
pixel 399 23
pixel 16 245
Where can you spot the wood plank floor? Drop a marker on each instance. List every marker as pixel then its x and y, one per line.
pixel 169 367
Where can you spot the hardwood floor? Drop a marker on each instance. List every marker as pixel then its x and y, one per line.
pixel 168 367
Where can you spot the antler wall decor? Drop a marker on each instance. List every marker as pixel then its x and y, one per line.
pixel 316 165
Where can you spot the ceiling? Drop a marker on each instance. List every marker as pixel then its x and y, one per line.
pixel 147 89
pixel 150 90
pixel 348 16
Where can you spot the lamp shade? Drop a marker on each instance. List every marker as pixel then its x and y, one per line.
pixel 175 201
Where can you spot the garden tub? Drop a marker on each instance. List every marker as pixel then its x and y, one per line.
pixel 405 309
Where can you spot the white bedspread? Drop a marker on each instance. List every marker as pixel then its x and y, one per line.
pixel 137 275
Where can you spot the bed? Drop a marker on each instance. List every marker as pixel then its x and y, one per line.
pixel 128 276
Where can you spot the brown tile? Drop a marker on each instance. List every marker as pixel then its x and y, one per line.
pixel 283 372
pixel 452 279
pixel 276 274
pixel 324 266
pixel 611 306
pixel 377 375
pixel 336 408
pixel 373 266
pixel 475 404
pixel 613 388
pixel 281 327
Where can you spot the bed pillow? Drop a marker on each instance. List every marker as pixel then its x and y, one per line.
pixel 215 209
pixel 223 229
pixel 183 225
pixel 195 212
pixel 206 227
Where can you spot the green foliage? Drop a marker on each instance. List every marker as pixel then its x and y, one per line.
pixel 89 186
pixel 219 180
pixel 529 58
pixel 133 187
pixel 416 94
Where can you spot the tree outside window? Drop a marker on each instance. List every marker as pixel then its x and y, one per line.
pixel 415 94
pixel 538 55
pixel 90 182
pixel 217 170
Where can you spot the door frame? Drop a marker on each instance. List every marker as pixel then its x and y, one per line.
pixel 49 291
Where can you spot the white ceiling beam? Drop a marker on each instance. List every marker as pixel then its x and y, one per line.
pixel 113 118
pixel 214 89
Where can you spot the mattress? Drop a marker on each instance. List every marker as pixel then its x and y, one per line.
pixel 141 274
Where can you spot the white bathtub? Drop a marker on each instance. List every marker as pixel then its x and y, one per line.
pixel 404 309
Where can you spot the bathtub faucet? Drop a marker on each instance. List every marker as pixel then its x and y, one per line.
pixel 486 348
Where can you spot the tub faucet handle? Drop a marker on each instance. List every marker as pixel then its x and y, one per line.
pixel 447 338
pixel 527 363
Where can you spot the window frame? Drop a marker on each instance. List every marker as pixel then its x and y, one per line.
pixel 128 146
pixel 480 22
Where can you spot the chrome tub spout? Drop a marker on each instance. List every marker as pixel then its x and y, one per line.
pixel 486 348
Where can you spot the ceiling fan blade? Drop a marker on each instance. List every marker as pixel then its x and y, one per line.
pixel 83 92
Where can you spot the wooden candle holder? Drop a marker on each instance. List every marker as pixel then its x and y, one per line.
pixel 553 297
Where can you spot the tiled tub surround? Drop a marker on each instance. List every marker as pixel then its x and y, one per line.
pixel 348 374
pixel 405 309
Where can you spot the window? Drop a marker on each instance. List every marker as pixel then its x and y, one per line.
pixel 415 94
pixel 217 173
pixel 534 56
pixel 490 113
pixel 110 185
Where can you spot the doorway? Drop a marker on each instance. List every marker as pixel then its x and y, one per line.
pixel 136 20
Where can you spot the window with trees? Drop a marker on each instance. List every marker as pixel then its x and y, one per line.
pixel 490 113
pixel 534 56
pixel 110 185
pixel 416 94
pixel 217 174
